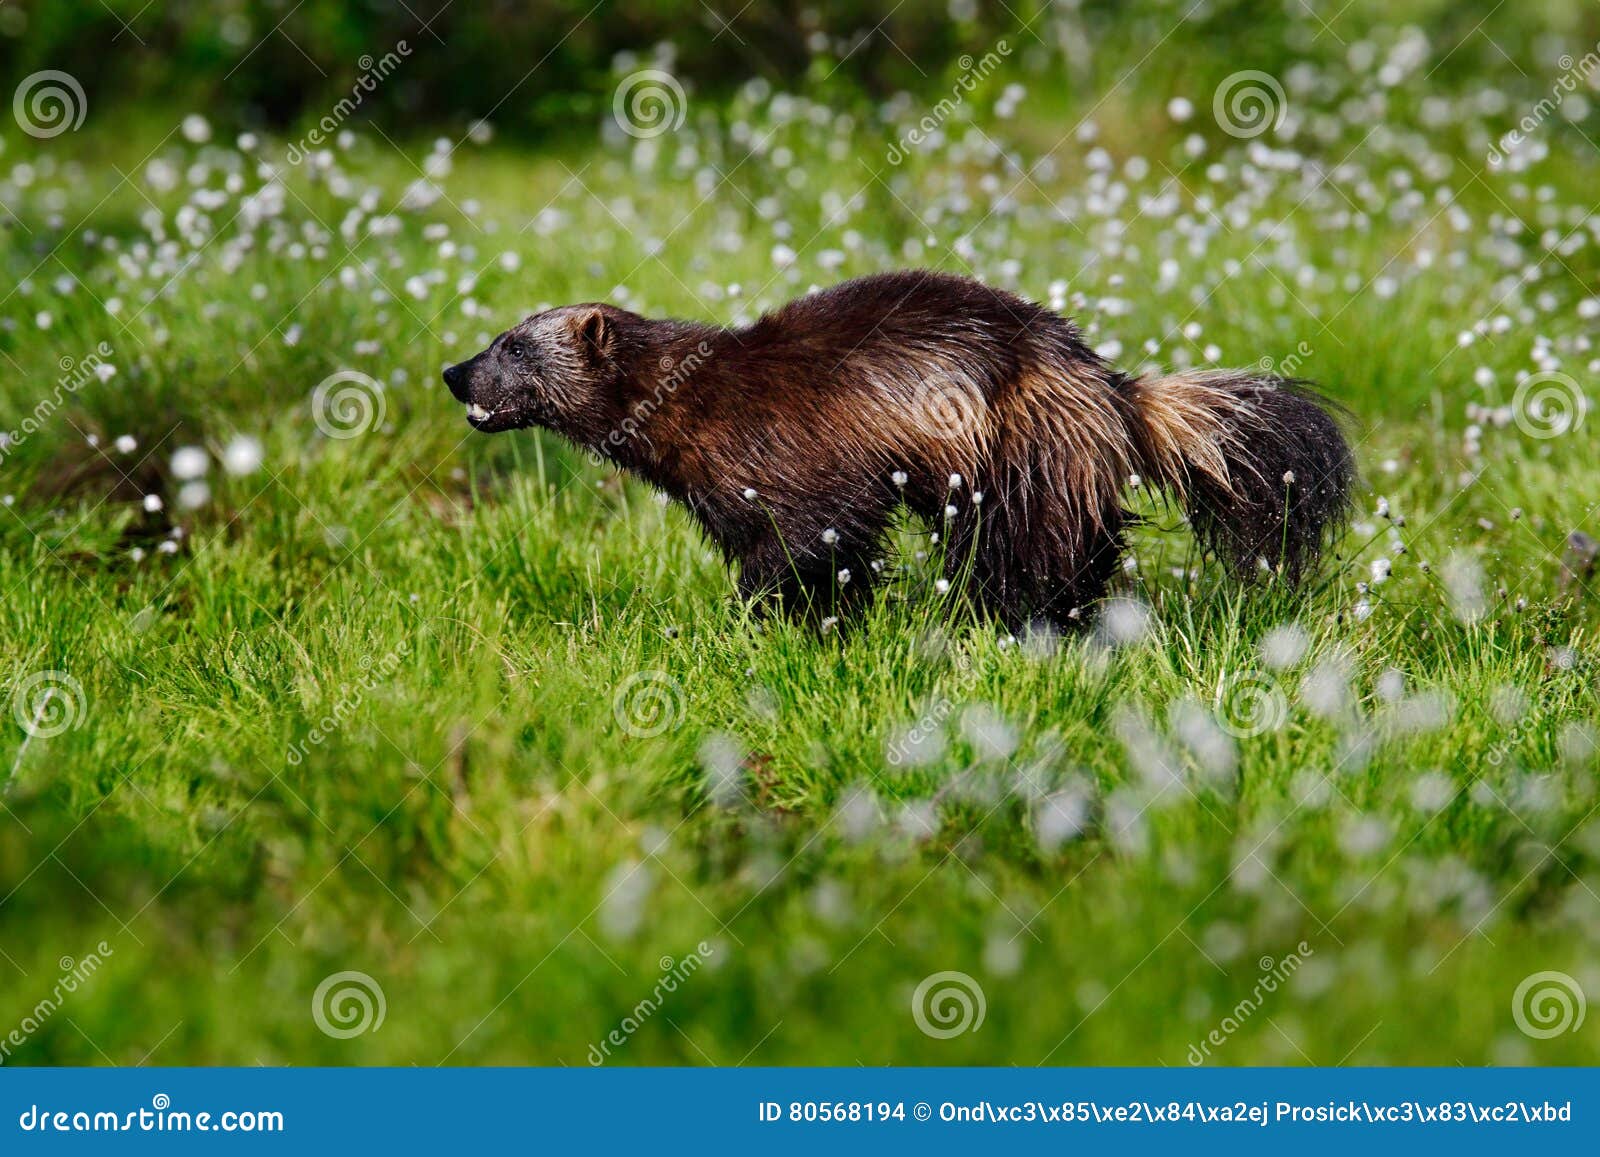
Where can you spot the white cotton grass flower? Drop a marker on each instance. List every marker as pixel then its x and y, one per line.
pixel 988 732
pixel 1431 792
pixel 750 494
pixel 917 744
pixel 722 760
pixel 941 585
pixel 625 899
pixel 1127 823
pixel 1463 580
pixel 126 443
pixel 193 495
pixel 1062 816
pixel 1325 690
pixel 898 478
pixel 243 455
pixel 1152 757
pixel 955 482
pixel 190 462
pixel 1002 954
pixel 1578 742
pixel 1391 685
pixel 857 815
pixel 1423 712
pixel 153 503
pixel 829 902
pixel 917 819
pixel 830 536
pixel 1198 731
pixel 1123 622
pixel 1364 836
pixel 1284 646
pixel 844 576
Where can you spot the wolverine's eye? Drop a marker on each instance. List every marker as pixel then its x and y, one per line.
pixel 517 350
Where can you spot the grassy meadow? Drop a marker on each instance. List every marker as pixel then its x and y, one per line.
pixel 304 678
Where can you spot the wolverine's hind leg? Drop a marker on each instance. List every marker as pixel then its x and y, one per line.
pixel 1024 556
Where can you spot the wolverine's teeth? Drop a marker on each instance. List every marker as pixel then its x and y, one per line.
pixel 476 412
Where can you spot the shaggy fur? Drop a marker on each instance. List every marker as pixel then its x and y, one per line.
pixel 793 440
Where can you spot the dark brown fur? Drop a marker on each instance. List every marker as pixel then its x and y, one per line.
pixel 821 405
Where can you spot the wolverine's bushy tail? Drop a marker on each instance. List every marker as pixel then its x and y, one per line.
pixel 1258 462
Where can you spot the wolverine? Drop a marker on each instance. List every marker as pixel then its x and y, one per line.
pixel 793 441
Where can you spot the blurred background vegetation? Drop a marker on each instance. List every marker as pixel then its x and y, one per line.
pixel 538 67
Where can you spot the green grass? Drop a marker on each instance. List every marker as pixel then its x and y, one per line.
pixel 480 833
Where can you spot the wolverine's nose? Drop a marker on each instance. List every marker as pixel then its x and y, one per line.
pixel 456 378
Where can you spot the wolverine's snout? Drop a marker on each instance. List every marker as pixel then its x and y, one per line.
pixel 457 378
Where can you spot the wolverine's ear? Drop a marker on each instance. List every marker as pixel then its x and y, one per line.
pixel 594 334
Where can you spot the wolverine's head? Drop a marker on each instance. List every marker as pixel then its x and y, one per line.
pixel 557 369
